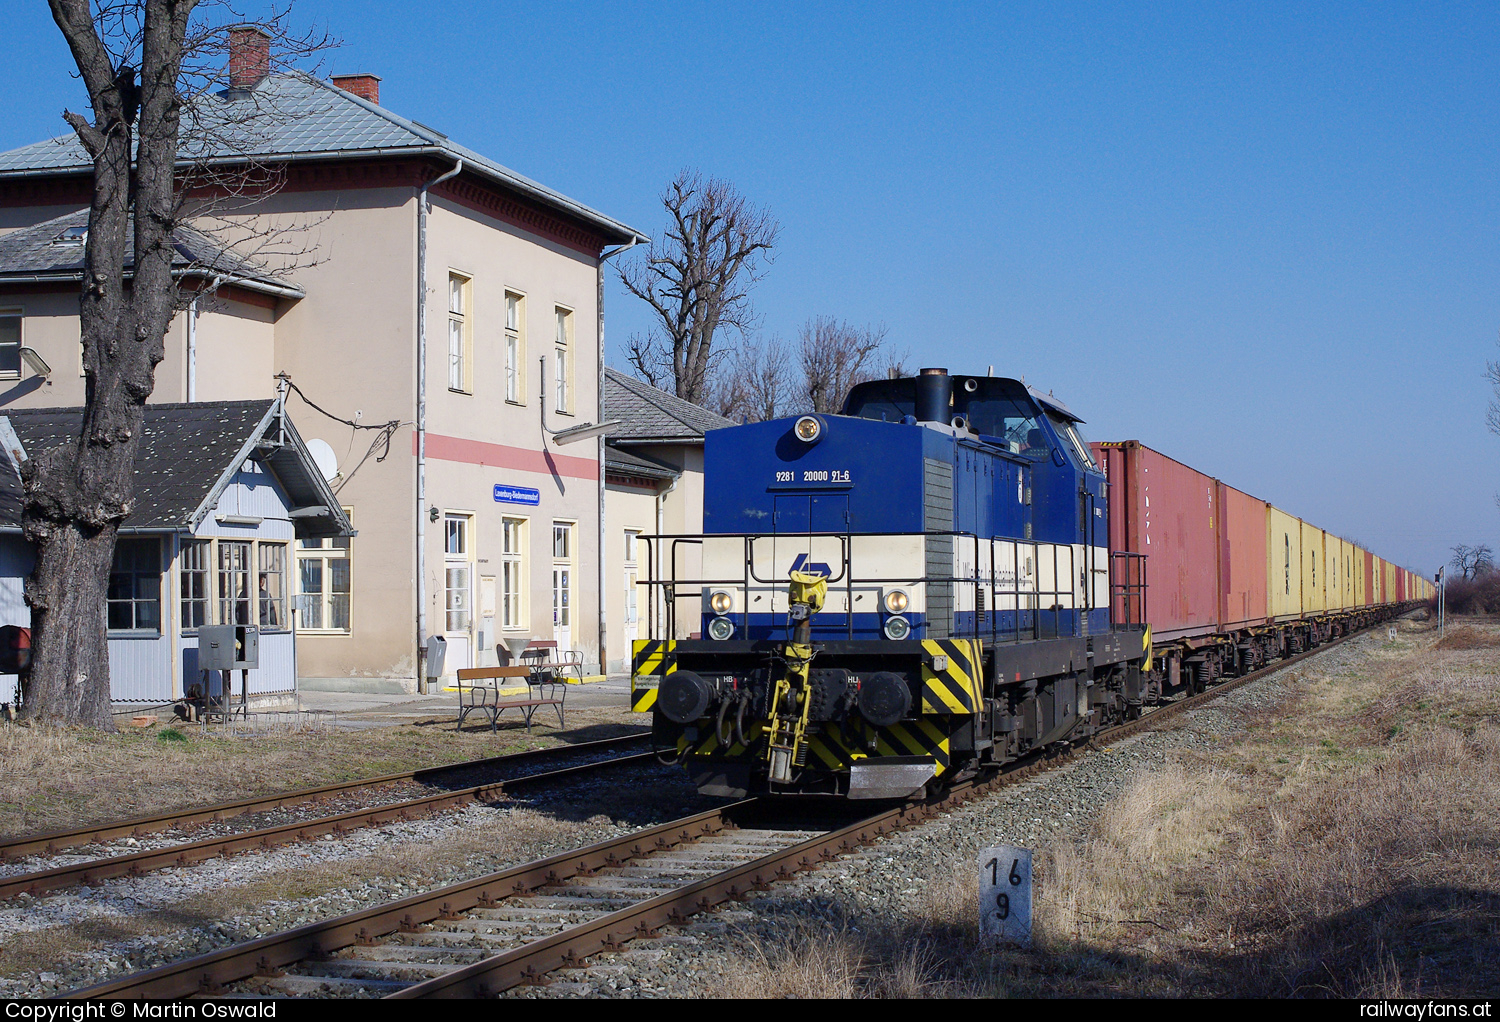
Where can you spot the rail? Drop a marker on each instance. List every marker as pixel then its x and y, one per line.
pixel 1009 604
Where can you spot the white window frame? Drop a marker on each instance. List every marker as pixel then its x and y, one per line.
pixel 515 347
pixel 204 572
pixel 19 315
pixel 460 332
pixel 562 354
pixel 513 582
pixel 327 552
pixel 566 563
pixel 458 556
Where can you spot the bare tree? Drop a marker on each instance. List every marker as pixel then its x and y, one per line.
pixel 754 382
pixel 77 495
pixel 836 355
pixel 1473 561
pixel 697 277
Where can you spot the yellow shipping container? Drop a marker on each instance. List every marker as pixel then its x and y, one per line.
pixel 1343 573
pixel 1283 564
pixel 1359 577
pixel 1314 570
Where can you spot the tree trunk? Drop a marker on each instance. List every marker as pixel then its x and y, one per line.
pixel 67 593
pixel 77 496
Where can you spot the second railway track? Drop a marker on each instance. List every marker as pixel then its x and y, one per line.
pixel 612 752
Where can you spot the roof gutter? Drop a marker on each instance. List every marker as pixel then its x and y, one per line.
pixel 421 660
pixel 520 184
pixel 76 277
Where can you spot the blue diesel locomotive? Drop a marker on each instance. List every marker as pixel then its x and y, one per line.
pixel 893 597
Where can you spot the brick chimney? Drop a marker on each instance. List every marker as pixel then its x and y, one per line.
pixel 363 86
pixel 249 56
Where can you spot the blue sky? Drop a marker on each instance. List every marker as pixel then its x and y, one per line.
pixel 1261 239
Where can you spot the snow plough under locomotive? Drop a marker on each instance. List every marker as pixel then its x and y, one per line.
pixel 901 594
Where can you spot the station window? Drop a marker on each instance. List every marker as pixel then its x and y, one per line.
pixel 134 596
pixel 10 343
pixel 194 572
pixel 562 367
pixel 234 582
pixel 324 570
pixel 515 347
pixel 459 331
pixel 513 573
pixel 271 595
pixel 458 572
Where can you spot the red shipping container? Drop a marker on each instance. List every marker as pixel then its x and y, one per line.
pixel 1169 512
pixel 1242 559
pixel 1371 596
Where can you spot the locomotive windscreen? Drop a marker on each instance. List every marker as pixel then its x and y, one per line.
pixel 996 407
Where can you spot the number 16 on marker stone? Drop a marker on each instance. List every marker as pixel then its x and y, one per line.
pixel 1005 894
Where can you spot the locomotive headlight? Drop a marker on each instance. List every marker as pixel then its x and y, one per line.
pixel 721 602
pixel 720 628
pixel 896 601
pixel 808 429
pixel 897 628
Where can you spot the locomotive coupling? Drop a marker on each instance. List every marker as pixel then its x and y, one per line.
pixel 792 698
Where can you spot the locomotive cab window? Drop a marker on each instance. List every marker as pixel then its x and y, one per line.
pixel 1073 441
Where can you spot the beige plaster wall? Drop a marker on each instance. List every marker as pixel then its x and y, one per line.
pixel 626 507
pixel 497 257
pixel 236 354
pixel 350 345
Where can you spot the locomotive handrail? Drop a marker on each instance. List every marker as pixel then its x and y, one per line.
pixel 1027 602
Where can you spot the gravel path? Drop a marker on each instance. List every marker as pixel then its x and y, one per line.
pixel 888 879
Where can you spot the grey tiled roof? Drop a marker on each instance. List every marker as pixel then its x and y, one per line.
pixel 650 414
pixel 626 463
pixel 297 116
pixel 184 450
pixel 36 251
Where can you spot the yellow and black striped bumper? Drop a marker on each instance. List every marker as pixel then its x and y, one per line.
pixel 957 687
pixel 650 661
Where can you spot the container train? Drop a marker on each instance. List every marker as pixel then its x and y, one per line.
pixel 947 576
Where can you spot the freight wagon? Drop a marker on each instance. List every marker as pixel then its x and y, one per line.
pixel 1234 581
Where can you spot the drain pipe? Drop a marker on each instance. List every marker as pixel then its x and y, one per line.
pixel 599 385
pixel 192 339
pixel 422 424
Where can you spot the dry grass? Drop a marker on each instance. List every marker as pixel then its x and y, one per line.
pixel 54 778
pixel 1348 846
pixel 1468 637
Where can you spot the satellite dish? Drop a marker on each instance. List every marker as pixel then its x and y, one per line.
pixel 323 457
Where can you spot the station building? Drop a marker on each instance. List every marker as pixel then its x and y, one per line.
pixel 467 330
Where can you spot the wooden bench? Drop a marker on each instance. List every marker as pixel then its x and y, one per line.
pixel 479 689
pixel 543 655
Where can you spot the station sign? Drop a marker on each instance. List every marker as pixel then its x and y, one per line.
pixel 517 495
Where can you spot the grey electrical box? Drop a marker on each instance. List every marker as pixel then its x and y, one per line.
pixel 437 653
pixel 228 647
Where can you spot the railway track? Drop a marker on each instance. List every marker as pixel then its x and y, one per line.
pixel 480 937
pixel 264 838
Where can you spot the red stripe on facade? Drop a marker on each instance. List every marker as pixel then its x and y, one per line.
pixel 475 452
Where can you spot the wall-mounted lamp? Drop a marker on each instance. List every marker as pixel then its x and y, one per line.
pixel 38 364
pixel 433 514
